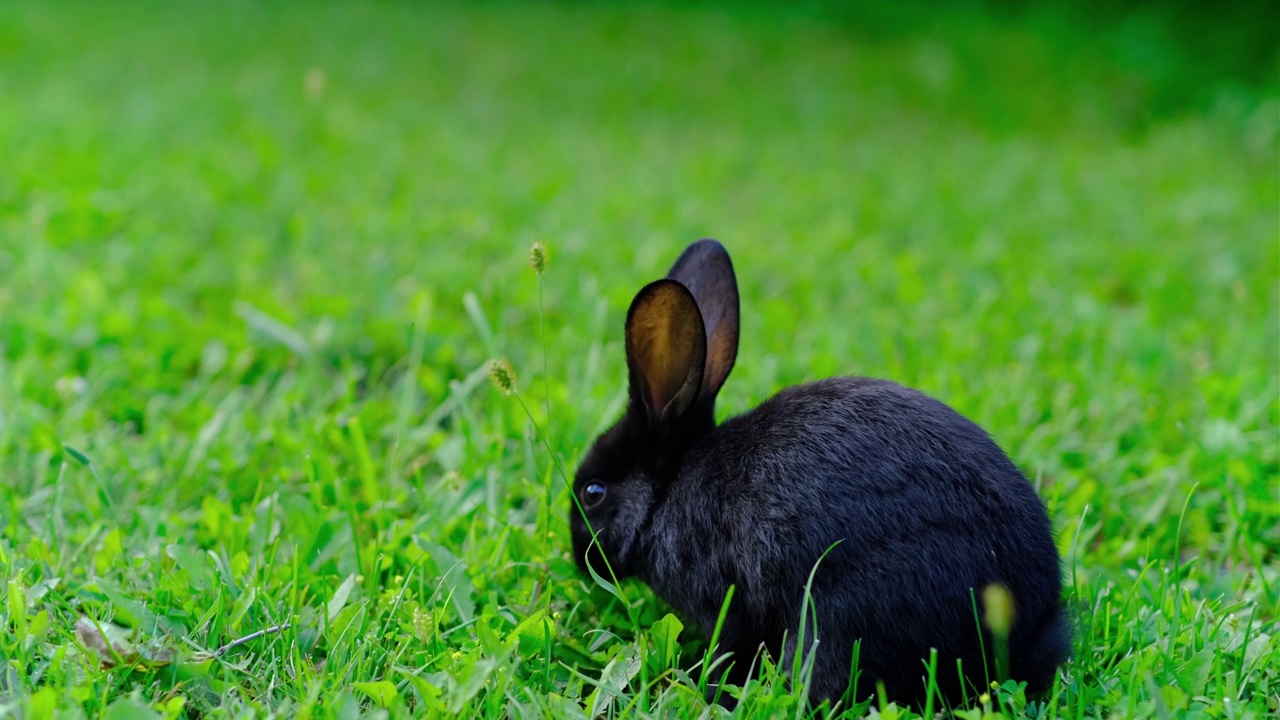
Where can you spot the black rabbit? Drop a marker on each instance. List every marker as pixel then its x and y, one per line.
pixel 920 509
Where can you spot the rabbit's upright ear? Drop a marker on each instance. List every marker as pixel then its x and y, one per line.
pixel 666 350
pixel 704 267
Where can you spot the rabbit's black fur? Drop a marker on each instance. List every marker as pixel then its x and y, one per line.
pixel 924 510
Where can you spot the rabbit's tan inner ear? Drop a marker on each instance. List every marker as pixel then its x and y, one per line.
pixel 666 346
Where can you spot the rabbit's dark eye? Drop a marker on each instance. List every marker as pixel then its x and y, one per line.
pixel 592 494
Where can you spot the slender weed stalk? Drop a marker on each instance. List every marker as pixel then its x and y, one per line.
pixel 538 261
pixel 503 377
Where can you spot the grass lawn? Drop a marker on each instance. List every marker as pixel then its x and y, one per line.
pixel 254 258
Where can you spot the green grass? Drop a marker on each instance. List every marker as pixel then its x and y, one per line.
pixel 254 258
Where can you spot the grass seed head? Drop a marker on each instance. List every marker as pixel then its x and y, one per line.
pixel 538 257
pixel 502 375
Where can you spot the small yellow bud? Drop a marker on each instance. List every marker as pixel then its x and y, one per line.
pixel 998 603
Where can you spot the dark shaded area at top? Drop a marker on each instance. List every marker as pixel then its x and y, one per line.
pixel 1160 58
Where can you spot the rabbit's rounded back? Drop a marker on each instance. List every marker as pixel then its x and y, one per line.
pixel 916 509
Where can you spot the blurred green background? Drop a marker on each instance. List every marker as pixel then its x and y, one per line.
pixel 229 229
